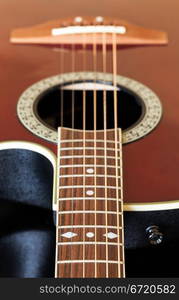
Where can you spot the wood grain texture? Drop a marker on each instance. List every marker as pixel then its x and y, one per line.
pixel 89 227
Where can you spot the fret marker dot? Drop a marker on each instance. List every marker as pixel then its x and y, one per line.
pixel 90 193
pixel 69 234
pixel 78 19
pixel 90 234
pixel 111 235
pixel 90 171
pixel 99 19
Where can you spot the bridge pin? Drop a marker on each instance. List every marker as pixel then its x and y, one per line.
pixel 78 19
pixel 99 19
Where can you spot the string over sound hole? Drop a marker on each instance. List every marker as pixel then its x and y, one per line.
pixel 62 104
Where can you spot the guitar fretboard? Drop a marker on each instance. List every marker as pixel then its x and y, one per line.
pixel 90 208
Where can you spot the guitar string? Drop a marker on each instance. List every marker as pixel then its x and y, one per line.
pixel 122 220
pixel 95 116
pixel 105 145
pixel 73 126
pixel 59 218
pixel 62 56
pixel 84 149
pixel 95 127
pixel 95 119
pixel 114 54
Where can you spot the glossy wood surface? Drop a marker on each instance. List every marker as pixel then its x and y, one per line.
pixel 151 165
pixel 42 34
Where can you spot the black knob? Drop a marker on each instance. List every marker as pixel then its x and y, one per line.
pixel 154 235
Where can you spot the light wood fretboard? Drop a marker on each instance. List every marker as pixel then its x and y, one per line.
pixel 90 239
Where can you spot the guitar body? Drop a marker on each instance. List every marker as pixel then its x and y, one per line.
pixel 150 163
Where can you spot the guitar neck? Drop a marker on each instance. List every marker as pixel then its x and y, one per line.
pixel 90 237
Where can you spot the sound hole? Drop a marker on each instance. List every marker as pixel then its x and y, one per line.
pixel 48 106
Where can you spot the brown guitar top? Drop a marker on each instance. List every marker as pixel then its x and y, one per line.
pixel 151 164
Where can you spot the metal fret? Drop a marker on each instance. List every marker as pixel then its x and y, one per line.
pixel 88 186
pixel 88 226
pixel 85 148
pixel 89 261
pixel 87 198
pixel 87 156
pixel 87 175
pixel 89 243
pixel 89 212
pixel 87 140
pixel 89 165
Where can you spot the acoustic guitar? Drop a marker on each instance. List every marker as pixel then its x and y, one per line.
pixel 108 136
